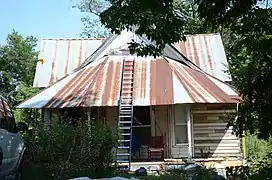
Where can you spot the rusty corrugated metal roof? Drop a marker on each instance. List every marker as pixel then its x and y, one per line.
pixel 207 52
pixel 60 57
pixel 156 82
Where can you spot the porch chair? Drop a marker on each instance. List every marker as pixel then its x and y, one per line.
pixel 156 145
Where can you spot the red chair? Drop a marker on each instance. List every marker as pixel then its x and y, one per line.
pixel 156 145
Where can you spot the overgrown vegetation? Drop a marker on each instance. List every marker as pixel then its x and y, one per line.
pixel 68 151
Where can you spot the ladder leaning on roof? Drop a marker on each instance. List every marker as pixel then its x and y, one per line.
pixel 125 120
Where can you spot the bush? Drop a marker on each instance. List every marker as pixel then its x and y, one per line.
pixel 70 150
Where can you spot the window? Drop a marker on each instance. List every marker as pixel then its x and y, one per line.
pixel 6 118
pixel 180 124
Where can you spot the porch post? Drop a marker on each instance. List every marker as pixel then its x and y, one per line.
pixel 189 131
pixel 47 119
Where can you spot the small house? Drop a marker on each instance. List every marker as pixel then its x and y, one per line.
pixel 178 104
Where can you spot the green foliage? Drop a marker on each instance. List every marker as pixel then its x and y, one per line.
pixel 17 63
pixel 249 55
pixel 162 22
pixel 93 28
pixel 257 149
pixel 158 20
pixel 26 115
pixel 68 151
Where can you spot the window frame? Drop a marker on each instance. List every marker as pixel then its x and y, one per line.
pixel 175 124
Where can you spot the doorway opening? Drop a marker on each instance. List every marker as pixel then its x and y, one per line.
pixel 141 131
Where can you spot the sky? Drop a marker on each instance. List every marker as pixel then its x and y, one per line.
pixel 40 18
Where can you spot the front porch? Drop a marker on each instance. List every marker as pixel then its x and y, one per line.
pixel 190 131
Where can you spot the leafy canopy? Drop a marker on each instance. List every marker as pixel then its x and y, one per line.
pixel 245 29
pixel 17 63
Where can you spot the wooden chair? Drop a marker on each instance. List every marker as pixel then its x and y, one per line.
pixel 156 145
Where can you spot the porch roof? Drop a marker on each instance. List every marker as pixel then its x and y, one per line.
pixel 157 81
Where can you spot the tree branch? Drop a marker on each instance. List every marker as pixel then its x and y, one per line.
pixel 91 11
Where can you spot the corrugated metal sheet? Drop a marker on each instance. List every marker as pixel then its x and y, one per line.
pixel 156 82
pixel 61 57
pixel 207 52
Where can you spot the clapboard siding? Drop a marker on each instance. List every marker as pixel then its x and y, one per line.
pixel 212 138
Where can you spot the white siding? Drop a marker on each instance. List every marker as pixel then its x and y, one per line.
pixel 211 136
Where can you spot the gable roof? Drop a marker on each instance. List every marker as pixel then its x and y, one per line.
pixel 207 52
pixel 61 57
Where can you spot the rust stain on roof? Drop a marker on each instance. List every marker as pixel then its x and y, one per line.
pixel 98 84
pixel 207 52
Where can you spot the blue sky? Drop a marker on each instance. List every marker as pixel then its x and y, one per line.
pixel 40 18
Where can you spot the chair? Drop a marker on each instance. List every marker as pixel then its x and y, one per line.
pixel 156 145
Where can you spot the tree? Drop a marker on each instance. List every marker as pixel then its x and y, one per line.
pixel 93 28
pixel 114 17
pixel 17 64
pixel 246 31
pixel 250 59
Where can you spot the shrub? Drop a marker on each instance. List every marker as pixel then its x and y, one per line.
pixel 70 150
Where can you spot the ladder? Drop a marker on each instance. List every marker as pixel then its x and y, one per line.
pixel 125 120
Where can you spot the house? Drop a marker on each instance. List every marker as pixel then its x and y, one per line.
pixel 173 98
